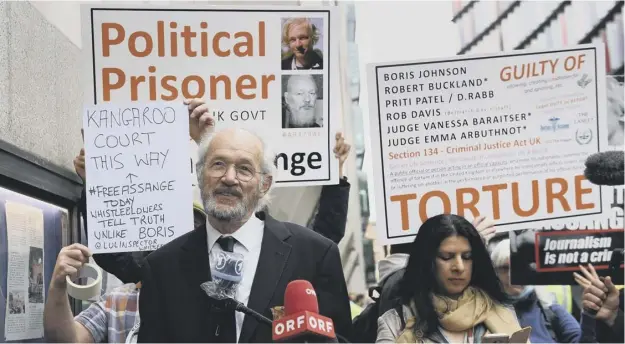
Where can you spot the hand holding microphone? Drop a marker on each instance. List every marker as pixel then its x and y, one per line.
pixel 301 322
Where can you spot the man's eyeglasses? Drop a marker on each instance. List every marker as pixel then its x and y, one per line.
pixel 243 173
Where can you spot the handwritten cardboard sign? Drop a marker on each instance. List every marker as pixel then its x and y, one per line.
pixel 139 193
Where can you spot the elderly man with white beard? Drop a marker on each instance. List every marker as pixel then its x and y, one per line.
pixel 300 98
pixel 235 173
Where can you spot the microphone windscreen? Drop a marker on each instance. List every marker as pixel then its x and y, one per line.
pixel 300 296
pixel 605 168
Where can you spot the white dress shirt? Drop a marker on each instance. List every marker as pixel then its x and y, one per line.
pixel 249 239
pixel 294 64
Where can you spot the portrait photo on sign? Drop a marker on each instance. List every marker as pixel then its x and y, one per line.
pixel 302 101
pixel 17 305
pixel 35 275
pixel 302 43
pixel 616 111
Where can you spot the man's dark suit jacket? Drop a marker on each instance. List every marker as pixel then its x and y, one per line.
pixel 175 309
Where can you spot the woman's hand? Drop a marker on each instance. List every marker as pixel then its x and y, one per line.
pixel 600 295
pixel 486 227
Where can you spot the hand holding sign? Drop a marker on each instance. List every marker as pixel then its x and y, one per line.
pixel 200 120
pixel 486 227
pixel 591 278
pixel 341 151
pixel 79 160
pixel 138 190
pixel 600 294
pixel 79 164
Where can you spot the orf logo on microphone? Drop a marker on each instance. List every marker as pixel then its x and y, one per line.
pixel 310 292
pixel 301 323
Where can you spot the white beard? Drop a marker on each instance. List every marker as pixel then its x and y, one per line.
pixel 303 117
pixel 235 213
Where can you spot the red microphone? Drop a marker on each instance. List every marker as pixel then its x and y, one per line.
pixel 301 322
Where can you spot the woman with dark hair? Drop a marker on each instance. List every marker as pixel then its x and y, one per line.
pixel 450 292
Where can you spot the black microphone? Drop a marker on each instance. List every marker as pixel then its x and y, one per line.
pixel 606 168
pixel 230 304
pixel 239 307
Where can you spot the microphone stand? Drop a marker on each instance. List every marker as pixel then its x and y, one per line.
pixel 254 314
pixel 239 307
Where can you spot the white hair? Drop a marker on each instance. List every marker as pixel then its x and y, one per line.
pixel 294 78
pixel 267 165
pixel 500 255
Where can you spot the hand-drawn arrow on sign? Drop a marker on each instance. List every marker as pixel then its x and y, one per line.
pixel 130 175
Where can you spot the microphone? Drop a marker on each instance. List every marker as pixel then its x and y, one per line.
pixel 302 322
pixel 228 303
pixel 605 168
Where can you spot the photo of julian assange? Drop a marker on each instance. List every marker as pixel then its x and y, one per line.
pixel 302 102
pixel 302 44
